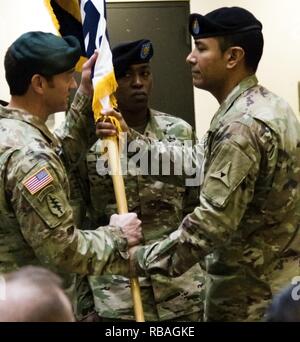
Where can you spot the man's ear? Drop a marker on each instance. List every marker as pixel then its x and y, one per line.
pixel 235 54
pixel 38 83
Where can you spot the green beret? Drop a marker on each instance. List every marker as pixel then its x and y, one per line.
pixel 45 53
pixel 222 21
pixel 126 54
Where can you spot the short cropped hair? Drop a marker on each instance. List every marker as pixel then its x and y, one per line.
pixel 252 43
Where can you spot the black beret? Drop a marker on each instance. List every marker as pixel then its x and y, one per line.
pixel 222 21
pixel 45 53
pixel 126 54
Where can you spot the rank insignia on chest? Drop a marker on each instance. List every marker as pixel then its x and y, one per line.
pixel 38 181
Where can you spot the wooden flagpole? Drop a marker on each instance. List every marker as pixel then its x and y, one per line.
pixel 119 188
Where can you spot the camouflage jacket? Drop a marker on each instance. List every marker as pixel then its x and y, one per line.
pixel 37 225
pixel 246 223
pixel 161 207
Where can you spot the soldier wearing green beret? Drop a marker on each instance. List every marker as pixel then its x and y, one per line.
pixel 37 222
pixel 245 229
pixel 160 206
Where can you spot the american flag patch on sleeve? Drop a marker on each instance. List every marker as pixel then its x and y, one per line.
pixel 38 181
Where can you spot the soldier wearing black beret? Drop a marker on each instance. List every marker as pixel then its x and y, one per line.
pixel 223 21
pixel 245 228
pixel 132 68
pixel 159 209
pixel 238 35
pixel 129 53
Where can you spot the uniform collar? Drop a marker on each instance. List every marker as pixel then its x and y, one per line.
pixel 151 121
pixel 154 125
pixel 32 120
pixel 243 86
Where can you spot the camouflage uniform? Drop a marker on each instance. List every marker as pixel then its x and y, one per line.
pixel 160 206
pixel 37 225
pixel 245 228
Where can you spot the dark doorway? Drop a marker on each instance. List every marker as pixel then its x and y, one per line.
pixel 165 23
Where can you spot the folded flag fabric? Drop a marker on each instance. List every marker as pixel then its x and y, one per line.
pixel 93 14
pixel 86 19
pixel 66 17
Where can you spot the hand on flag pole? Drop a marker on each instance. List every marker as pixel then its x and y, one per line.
pixel 86 20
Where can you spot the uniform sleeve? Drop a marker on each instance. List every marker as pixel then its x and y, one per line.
pixel 101 191
pixel 192 192
pixel 78 132
pixel 227 190
pixel 46 221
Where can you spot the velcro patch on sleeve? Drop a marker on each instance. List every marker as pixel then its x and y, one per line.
pixel 38 181
pixel 228 169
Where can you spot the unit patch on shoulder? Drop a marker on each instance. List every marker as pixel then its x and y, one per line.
pixel 38 181
pixel 55 205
